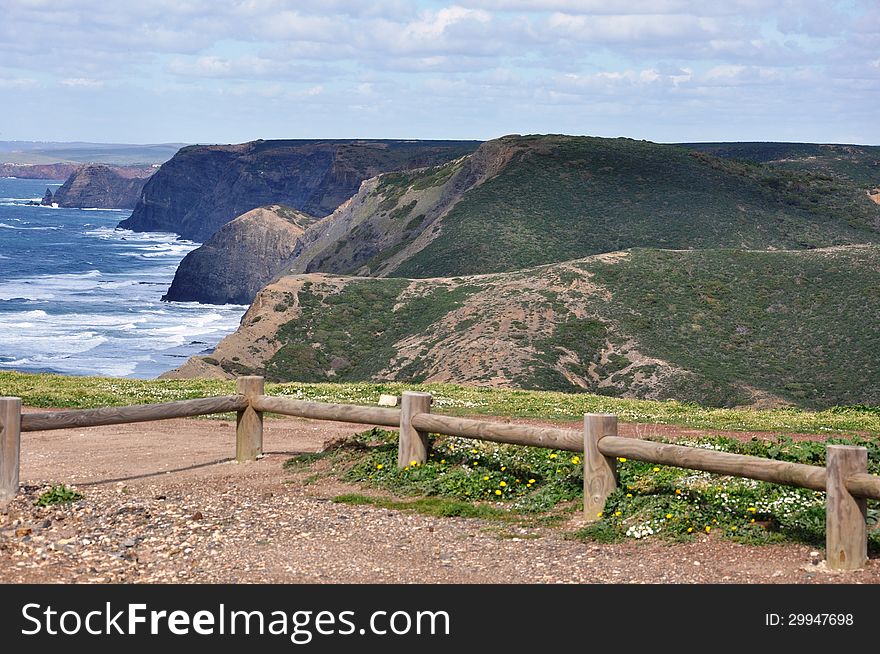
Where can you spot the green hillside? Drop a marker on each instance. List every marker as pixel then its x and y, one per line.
pixel 715 327
pixel 560 198
pixel 859 164
pixel 800 325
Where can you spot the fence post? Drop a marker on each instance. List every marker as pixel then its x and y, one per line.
pixel 249 422
pixel 846 531
pixel 10 447
pixel 412 444
pixel 600 471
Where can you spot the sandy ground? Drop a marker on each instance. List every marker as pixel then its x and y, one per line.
pixel 166 502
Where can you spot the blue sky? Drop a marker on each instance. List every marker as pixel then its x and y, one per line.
pixel 215 71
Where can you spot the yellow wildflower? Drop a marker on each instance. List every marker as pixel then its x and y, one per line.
pixel 553 456
pixel 486 478
pixel 379 467
pixel 669 516
pixel 656 469
pixel 622 459
pixel 708 529
pixel 497 492
pixel 502 484
pixel 575 459
pixel 629 494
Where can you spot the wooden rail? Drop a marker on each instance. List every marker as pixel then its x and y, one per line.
pixel 845 476
pixel 501 432
pixel 47 420
pixel 325 411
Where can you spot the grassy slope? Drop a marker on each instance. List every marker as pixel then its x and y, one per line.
pixel 567 197
pixel 795 325
pixel 90 392
pixel 800 325
pixel 857 163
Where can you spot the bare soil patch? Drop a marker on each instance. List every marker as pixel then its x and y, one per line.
pixel 165 502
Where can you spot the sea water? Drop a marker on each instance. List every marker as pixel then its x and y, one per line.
pixel 80 297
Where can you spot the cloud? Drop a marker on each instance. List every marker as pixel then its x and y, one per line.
pixel 82 83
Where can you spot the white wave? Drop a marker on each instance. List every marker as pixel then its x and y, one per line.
pixel 101 209
pixel 35 229
pixel 47 287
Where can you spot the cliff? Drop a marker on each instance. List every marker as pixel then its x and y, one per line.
pixel 102 187
pixel 240 258
pixel 38 171
pixel 203 187
pixel 522 201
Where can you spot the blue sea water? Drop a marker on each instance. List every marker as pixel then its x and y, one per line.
pixel 80 297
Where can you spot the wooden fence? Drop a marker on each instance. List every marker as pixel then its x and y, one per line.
pixel 844 478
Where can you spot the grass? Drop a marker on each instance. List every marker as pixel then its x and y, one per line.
pixel 59 494
pixel 534 486
pixel 795 324
pixel 41 390
pixel 348 331
pixel 563 198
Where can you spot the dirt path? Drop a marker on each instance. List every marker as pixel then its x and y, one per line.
pixel 165 502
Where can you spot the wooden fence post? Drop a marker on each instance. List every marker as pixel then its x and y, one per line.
pixel 249 422
pixel 846 531
pixel 412 444
pixel 10 447
pixel 600 471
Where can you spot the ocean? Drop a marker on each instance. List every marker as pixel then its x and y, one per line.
pixel 80 297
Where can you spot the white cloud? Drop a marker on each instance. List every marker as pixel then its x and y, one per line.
pixel 82 83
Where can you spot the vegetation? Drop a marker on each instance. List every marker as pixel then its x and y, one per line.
pixel 348 332
pixel 722 327
pixel 42 390
pixel 469 478
pixel 797 325
pixel 59 494
pixel 562 198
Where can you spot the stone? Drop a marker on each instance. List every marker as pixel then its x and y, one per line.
pixel 388 400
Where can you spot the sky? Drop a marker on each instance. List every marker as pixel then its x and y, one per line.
pixel 218 71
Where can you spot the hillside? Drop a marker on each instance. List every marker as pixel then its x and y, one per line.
pixel 857 163
pixel 203 187
pixel 240 259
pixel 523 201
pixel 718 327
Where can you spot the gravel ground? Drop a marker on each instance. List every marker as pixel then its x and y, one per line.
pixel 164 503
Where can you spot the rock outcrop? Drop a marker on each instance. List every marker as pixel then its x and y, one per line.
pixel 241 258
pixel 102 187
pixel 48 198
pixel 203 187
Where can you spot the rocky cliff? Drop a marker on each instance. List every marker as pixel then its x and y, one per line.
pixel 203 187
pixel 102 187
pixel 38 171
pixel 240 258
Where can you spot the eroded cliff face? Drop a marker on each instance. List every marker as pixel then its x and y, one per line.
pixel 394 215
pixel 102 187
pixel 239 259
pixel 203 187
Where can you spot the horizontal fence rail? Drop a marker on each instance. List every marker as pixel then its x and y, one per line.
pixel 47 420
pixel 844 478
pixel 739 465
pixel 501 432
pixel 325 411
